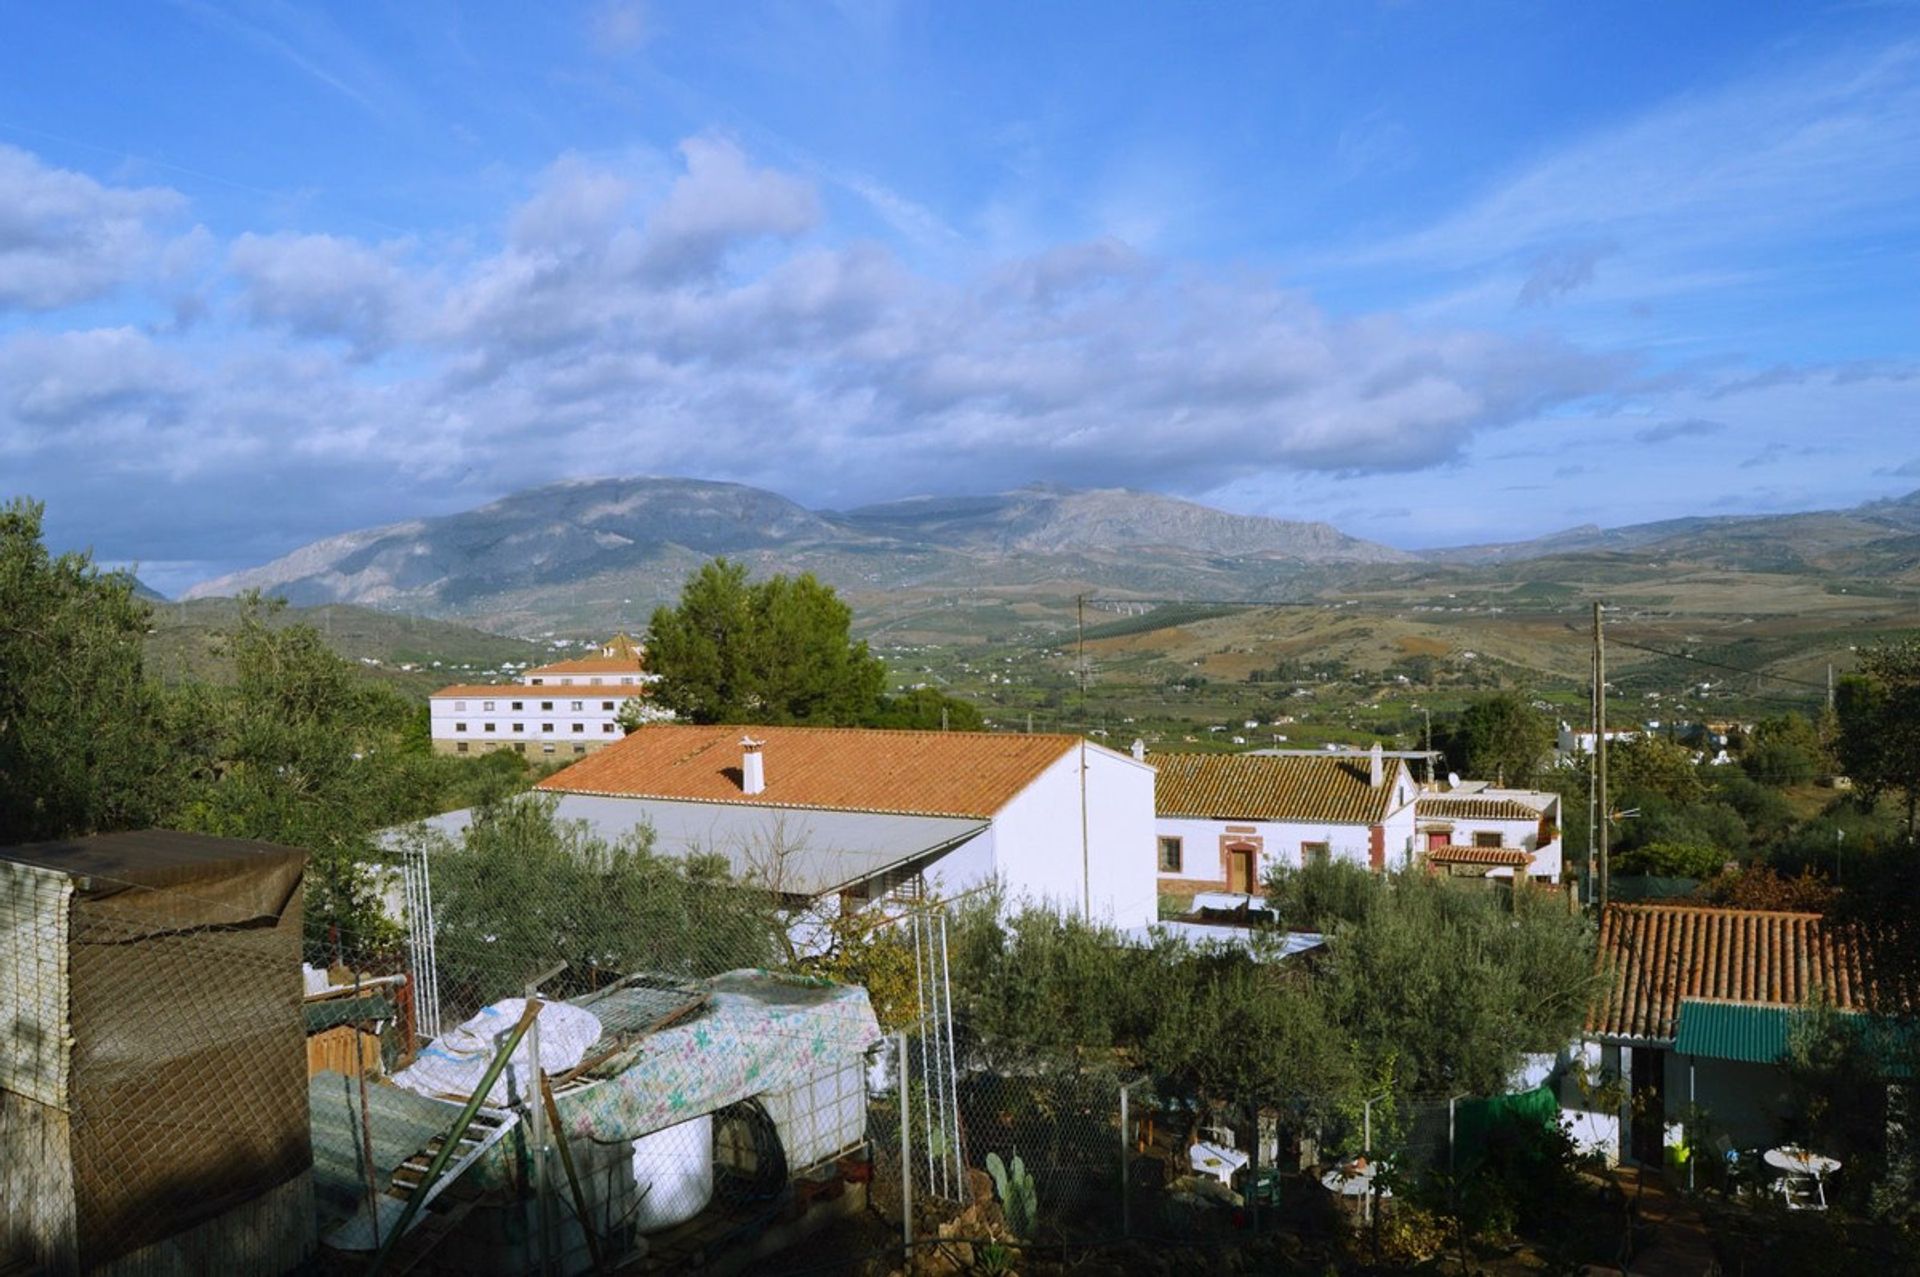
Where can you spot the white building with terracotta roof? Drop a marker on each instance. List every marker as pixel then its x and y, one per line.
pixel 1695 1007
pixel 1474 829
pixel 557 711
pixel 1221 820
pixel 814 811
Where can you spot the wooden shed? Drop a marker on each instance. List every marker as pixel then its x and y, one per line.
pixel 153 1075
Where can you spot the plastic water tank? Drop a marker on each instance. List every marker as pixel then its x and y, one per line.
pixel 673 1171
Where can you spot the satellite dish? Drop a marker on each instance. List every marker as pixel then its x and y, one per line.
pixel 1453 780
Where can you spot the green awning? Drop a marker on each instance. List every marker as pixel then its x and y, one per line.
pixel 1761 1034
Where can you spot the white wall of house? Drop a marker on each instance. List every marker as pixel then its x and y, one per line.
pixel 1524 834
pixel 1743 1101
pixel 1280 842
pixel 1594 1126
pixel 966 868
pixel 561 717
pixel 1038 838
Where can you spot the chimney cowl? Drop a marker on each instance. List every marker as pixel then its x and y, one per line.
pixel 753 766
pixel 1376 767
pixel 1139 750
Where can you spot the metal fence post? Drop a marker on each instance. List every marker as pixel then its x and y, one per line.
pixel 906 1154
pixel 1126 1165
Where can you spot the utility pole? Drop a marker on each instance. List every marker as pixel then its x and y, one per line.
pixel 1080 653
pixel 1829 687
pixel 1426 714
pixel 1600 745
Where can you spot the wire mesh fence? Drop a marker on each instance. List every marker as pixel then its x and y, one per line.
pixel 193 1080
pixel 534 1050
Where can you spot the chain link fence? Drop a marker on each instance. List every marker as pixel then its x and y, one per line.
pixel 195 1079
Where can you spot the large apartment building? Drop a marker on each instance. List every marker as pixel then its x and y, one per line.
pixel 560 710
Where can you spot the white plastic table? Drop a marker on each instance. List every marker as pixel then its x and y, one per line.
pixel 1216 1160
pixel 1800 1166
pixel 1348 1180
pixel 1800 1161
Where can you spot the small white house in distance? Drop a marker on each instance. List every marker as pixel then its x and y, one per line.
pixel 813 811
pixel 1222 819
pixel 555 711
pixel 1474 829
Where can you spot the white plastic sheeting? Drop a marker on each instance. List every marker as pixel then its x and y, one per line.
pixel 454 1062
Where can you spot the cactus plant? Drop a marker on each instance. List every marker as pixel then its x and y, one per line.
pixel 1019 1199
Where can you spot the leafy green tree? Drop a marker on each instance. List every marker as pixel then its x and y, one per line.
pixel 928 709
pixel 304 750
pixel 772 651
pixel 1226 1027
pixel 1879 723
pixel 522 891
pixel 1783 750
pixel 1453 984
pixel 1502 738
pixel 84 742
pixel 1673 860
pixel 1649 765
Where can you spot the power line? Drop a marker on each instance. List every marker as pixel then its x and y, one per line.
pixel 1722 665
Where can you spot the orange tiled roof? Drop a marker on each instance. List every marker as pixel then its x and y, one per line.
pixel 837 768
pixel 1452 855
pixel 1654 955
pixel 487 689
pixel 1272 787
pixel 591 665
pixel 1444 807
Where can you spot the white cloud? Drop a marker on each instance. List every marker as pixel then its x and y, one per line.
pixel 324 286
pixel 722 200
pixel 66 238
pixel 53 383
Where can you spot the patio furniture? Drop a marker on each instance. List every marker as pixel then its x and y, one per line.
pixel 1354 1179
pixel 1803 1176
pixel 1215 1156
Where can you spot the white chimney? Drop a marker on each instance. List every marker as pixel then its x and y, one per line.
pixel 1139 750
pixel 1376 769
pixel 753 767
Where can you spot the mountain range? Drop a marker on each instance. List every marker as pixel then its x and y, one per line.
pixel 587 554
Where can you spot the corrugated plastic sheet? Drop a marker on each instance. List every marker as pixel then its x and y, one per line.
pixel 400 1124
pixel 1763 1035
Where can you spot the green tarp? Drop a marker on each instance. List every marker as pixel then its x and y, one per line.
pixel 1475 1121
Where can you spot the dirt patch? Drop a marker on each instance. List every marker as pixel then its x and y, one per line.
pixel 1420 645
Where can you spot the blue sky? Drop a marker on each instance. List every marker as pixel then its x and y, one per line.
pixel 1434 273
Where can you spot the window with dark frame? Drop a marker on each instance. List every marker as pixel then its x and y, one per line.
pixel 1315 853
pixel 1484 839
pixel 1169 855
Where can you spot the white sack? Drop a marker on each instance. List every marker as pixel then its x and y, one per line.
pixel 454 1062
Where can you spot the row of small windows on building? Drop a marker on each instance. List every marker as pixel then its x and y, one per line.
pixel 606 729
pixel 625 681
pixel 576 706
pixel 1314 852
pixel 521 747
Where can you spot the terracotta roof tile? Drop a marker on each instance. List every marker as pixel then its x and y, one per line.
pixel 1654 955
pixel 847 769
pixel 1444 807
pixel 1272 787
pixel 1454 855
